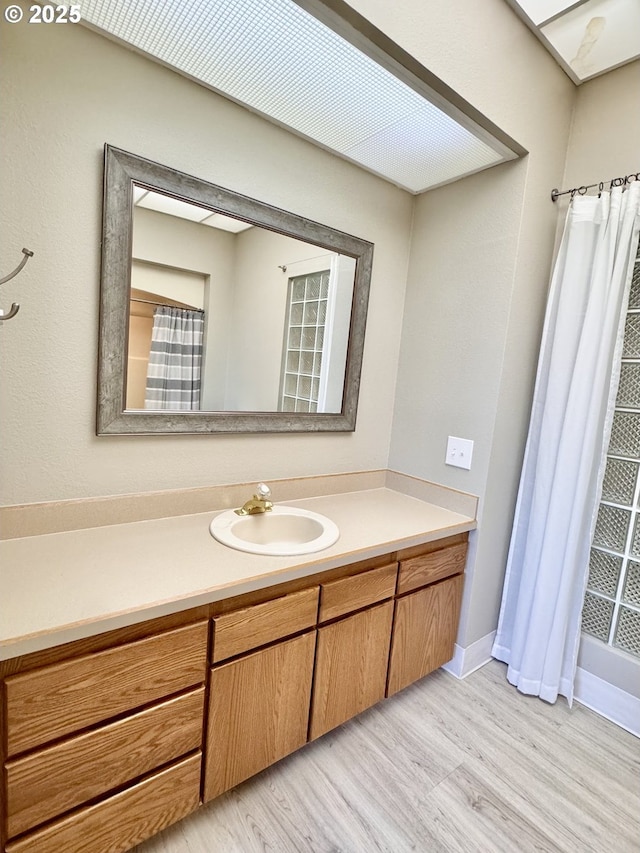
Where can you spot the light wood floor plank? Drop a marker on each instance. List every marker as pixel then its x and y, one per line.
pixel 377 794
pixel 561 781
pixel 471 815
pixel 445 766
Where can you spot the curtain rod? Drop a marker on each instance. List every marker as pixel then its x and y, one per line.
pixel 614 182
pixel 165 304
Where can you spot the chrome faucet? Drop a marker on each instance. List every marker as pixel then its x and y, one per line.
pixel 258 503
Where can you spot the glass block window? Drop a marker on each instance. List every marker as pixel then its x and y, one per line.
pixel 304 340
pixel 611 609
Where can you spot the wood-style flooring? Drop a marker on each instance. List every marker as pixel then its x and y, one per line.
pixel 446 765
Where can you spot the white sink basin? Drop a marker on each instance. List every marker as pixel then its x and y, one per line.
pixel 284 531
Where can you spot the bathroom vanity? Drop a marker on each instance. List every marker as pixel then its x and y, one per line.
pixel 110 737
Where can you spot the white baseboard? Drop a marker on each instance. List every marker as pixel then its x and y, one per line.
pixel 467 660
pixel 607 700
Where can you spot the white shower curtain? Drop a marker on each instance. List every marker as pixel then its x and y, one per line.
pixel 539 626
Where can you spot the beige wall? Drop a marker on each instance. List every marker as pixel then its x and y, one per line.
pixel 605 134
pixel 478 276
pixel 259 314
pixel 67 91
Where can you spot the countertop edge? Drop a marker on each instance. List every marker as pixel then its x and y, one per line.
pixel 56 636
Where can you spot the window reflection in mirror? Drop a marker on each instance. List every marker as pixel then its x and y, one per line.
pixel 229 316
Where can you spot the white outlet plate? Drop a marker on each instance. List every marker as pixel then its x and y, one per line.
pixel 459 452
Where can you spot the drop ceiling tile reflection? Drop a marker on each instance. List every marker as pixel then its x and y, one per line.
pixel 161 203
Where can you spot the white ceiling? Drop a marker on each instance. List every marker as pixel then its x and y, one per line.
pixel 279 60
pixel 588 37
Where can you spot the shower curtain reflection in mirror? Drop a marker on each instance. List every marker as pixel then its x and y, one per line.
pixel 175 360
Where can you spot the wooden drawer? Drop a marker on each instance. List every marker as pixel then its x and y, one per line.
pixel 357 591
pixel 251 627
pixel 49 782
pixel 124 820
pixel 427 568
pixel 57 700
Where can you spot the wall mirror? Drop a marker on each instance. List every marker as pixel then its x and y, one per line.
pixel 220 313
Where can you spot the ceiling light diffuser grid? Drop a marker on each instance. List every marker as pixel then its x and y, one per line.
pixel 421 150
pixel 279 60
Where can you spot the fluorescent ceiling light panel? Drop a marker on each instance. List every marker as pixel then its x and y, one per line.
pixel 186 210
pixel 138 193
pixel 280 61
pixel 173 207
pixel 419 151
pixel 226 223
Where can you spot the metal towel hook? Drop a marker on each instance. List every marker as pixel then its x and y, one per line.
pixel 15 307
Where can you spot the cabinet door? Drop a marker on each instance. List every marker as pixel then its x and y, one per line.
pixel 258 712
pixel 351 667
pixel 424 632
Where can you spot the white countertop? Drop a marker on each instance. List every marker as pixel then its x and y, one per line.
pixel 60 587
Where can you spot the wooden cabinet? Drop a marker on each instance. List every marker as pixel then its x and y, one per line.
pixel 351 667
pixel 101 741
pixel 259 702
pixel 352 653
pixel 426 621
pixel 103 749
pixel 258 712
